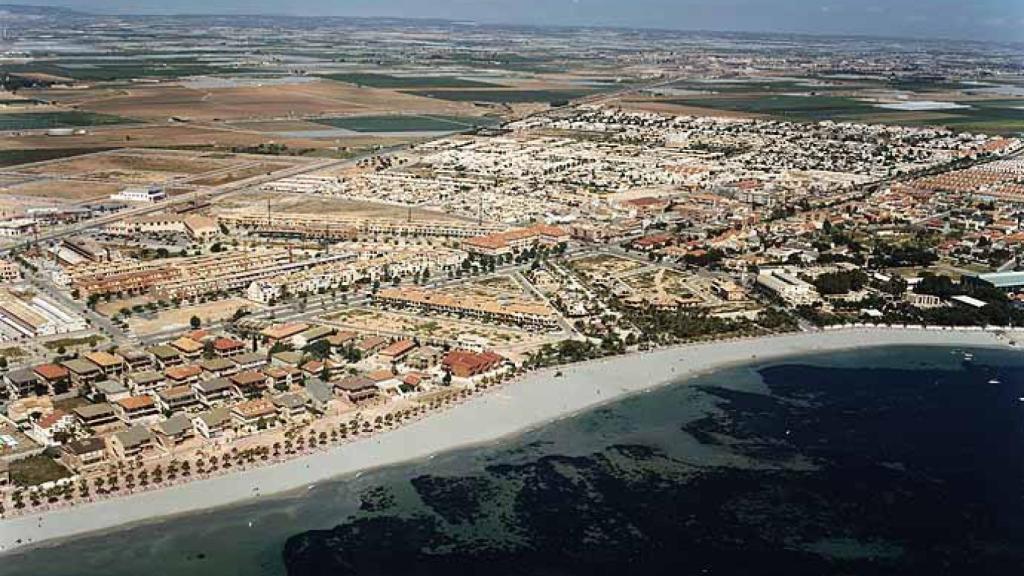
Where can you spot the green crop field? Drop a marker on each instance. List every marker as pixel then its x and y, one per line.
pixel 503 96
pixel 407 123
pixel 802 108
pixel 1005 117
pixel 43 120
pixel 388 81
pixel 16 157
pixel 987 116
pixel 105 70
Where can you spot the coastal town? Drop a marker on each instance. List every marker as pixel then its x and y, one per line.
pixel 182 313
pixel 145 349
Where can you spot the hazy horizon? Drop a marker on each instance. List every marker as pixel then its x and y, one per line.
pixel 984 20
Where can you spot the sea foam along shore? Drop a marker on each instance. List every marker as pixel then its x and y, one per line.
pixel 535 399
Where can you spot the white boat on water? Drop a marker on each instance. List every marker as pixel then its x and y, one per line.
pixel 994 381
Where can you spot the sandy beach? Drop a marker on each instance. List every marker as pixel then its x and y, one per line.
pixel 531 401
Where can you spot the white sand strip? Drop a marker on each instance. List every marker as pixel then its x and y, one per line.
pixel 534 400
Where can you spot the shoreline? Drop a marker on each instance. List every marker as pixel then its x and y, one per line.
pixel 531 401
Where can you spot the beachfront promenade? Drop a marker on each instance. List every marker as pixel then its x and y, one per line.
pixel 499 411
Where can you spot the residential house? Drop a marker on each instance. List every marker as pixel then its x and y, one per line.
pixel 137 410
pixel 216 391
pixel 134 442
pixel 320 394
pixel 370 344
pixel 227 347
pixel 319 367
pixel 85 454
pixel 166 356
pixel 307 337
pixel 83 373
pixel 49 429
pixel 173 432
pixel 281 332
pixel 386 381
pixel 213 423
pixel 291 406
pixel 96 415
pixel 188 348
pixel 415 382
pixel 249 361
pixel 146 382
pixel 55 377
pixel 112 365
pixel 281 378
pixel 341 340
pixel 254 415
pixel 217 367
pixel 111 390
pixel 466 364
pixel 136 360
pixel 177 398
pixel 23 383
pixel 423 358
pixel 357 388
pixel 287 358
pixel 396 351
pixel 249 384
pixel 183 375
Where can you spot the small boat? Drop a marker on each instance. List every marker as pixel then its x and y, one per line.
pixel 968 356
pixel 994 381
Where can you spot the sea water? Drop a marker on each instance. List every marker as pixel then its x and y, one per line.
pixel 903 460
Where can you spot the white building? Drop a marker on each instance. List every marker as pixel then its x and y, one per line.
pixel 787 286
pixel 17 227
pixel 149 195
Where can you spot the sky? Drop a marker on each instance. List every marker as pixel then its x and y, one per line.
pixel 996 20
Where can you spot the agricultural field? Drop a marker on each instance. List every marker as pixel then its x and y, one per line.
pixel 271 101
pixel 787 107
pixel 504 96
pixel 66 119
pixel 995 116
pixel 96 70
pixel 397 82
pixel 16 157
pixel 408 123
pixel 986 116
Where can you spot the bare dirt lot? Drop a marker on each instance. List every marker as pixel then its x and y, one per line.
pixel 179 317
pixel 238 174
pixel 257 102
pixel 285 203
pixel 95 175
pixel 108 165
pixel 56 189
pixel 429 326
